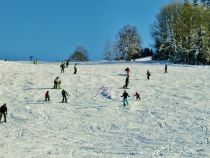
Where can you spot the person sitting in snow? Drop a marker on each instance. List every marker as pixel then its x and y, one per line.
pixel 56 82
pixel 47 96
pixel 125 96
pixel 3 111
pixel 137 95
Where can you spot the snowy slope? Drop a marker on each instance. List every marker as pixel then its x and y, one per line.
pixel 171 120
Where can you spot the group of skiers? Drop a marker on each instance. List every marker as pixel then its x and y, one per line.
pixel 137 95
pixel 57 82
pixel 65 65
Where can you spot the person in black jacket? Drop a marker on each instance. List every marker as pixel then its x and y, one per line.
pixel 64 94
pixel 148 75
pixel 166 68
pixel 67 63
pixel 125 96
pixel 75 68
pixel 126 82
pixel 62 67
pixel 137 95
pixel 3 110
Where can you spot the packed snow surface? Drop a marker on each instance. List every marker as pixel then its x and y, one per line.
pixel 172 120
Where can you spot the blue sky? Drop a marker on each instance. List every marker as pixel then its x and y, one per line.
pixel 52 29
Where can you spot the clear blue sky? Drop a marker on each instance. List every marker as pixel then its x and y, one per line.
pixel 51 29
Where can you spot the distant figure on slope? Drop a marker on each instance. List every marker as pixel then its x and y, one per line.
pixel 166 68
pixel 62 67
pixel 126 82
pixel 56 82
pixel 125 96
pixel 67 63
pixel 127 70
pixel 137 95
pixel 35 61
pixel 75 68
pixel 148 75
pixel 64 94
pixel 47 96
pixel 3 111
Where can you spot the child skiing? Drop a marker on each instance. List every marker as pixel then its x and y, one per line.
pixel 3 111
pixel 148 75
pixel 64 94
pixel 47 96
pixel 75 68
pixel 125 96
pixel 137 96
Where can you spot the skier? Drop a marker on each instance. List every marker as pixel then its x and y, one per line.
pixel 67 63
pixel 47 96
pixel 56 81
pixel 126 82
pixel 166 68
pixel 148 75
pixel 64 94
pixel 127 71
pixel 125 100
pixel 137 96
pixel 3 110
pixel 62 67
pixel 75 68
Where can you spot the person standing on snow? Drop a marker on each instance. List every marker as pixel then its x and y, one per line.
pixel 126 82
pixel 3 111
pixel 64 94
pixel 166 68
pixel 67 63
pixel 137 95
pixel 62 67
pixel 125 96
pixel 47 96
pixel 75 68
pixel 148 75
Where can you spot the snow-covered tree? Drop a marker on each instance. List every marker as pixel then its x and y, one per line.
pixel 128 42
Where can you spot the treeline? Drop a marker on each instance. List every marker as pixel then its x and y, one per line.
pixel 126 47
pixel 182 33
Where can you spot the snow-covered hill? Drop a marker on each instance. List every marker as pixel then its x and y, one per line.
pixel 171 120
